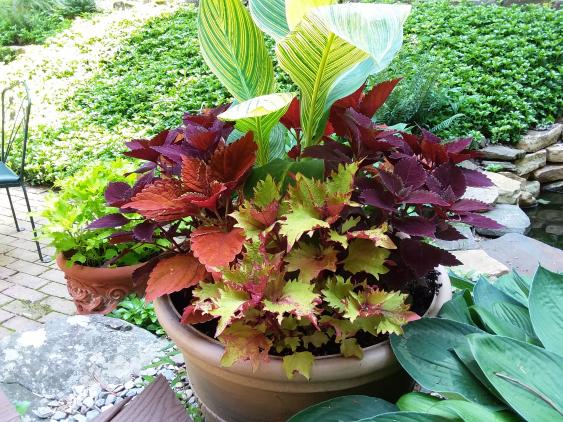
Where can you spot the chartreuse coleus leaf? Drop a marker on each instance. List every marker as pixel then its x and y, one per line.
pixel 317 339
pixel 226 306
pixel 266 192
pixel 297 298
pixel 350 348
pixel 350 223
pixel 243 342
pixel 299 362
pixel 364 256
pixel 339 294
pixel 300 220
pixel 310 259
pixel 259 115
pixel 383 312
pixel 377 235
pixel 233 47
pixel 332 50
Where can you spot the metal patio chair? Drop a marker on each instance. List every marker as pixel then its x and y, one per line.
pixel 16 106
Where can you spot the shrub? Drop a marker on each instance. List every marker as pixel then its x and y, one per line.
pixel 500 66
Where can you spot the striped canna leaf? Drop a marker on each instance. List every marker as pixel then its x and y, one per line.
pixel 332 51
pixel 296 10
pixel 260 115
pixel 270 17
pixel 233 48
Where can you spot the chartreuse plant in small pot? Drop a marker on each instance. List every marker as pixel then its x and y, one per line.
pixel 495 353
pixel 300 230
pixel 98 261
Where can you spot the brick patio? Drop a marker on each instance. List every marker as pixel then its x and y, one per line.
pixel 31 292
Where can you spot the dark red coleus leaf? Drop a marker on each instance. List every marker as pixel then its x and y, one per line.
pixel 121 237
pixel 117 194
pixel 215 247
pixel 376 97
pixel 478 220
pixel 415 226
pixel 392 182
pixel 451 176
pixel 174 274
pixel 421 257
pixel 379 198
pixel 292 117
pixel 475 178
pixel 109 221
pixel 448 232
pixel 423 197
pixel 469 205
pixel 143 148
pixel 411 172
pixel 191 315
pixel 206 118
pixel 232 163
pixel 144 232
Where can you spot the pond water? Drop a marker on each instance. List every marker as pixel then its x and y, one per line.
pixel 547 220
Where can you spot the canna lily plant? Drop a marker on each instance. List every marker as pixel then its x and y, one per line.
pixel 298 226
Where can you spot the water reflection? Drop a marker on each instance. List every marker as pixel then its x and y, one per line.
pixel 547 220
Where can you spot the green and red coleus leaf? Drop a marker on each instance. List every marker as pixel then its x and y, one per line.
pixel 243 342
pixel 310 260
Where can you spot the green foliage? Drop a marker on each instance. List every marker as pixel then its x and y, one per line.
pixel 79 202
pixel 498 66
pixel 32 21
pixel 136 311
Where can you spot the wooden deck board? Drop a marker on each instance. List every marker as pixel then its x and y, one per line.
pixel 7 410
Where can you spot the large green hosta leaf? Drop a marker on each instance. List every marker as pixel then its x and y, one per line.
pixel 333 49
pixel 426 352
pixel 259 115
pixel 233 47
pixel 546 309
pixel 529 378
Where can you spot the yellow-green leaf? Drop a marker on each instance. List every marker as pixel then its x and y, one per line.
pixel 350 348
pixel 364 256
pixel 300 362
pixel 295 10
pixel 310 260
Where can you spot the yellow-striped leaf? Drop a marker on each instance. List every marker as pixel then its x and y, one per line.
pixel 269 15
pixel 296 10
pixel 233 48
pixel 260 115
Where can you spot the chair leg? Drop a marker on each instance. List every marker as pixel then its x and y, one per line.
pixel 41 258
pixel 13 210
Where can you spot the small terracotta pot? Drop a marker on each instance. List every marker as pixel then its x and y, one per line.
pixel 236 394
pixel 99 290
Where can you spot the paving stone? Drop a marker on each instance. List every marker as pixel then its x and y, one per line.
pixel 27 280
pixel 19 323
pixel 22 254
pixel 6 248
pixel 4 332
pixel 5 299
pixel 56 289
pixel 32 310
pixel 50 316
pixel 524 254
pixel 477 261
pixel 23 293
pixel 5 260
pixel 4 284
pixel 5 273
pixel 27 267
pixel 54 275
pixel 61 305
pixel 5 315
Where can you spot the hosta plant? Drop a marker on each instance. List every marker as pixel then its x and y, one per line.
pixel 494 354
pixel 297 226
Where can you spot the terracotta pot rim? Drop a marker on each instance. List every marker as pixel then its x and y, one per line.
pixel 78 268
pixel 208 351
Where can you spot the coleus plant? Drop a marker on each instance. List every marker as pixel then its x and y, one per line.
pixel 319 249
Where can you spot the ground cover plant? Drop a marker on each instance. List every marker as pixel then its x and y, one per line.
pixel 297 225
pixel 25 22
pixel 499 66
pixel 495 355
pixel 135 310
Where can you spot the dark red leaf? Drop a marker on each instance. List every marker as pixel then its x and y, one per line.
pixel 144 231
pixel 376 97
pixel 379 198
pixel 448 232
pixel 451 175
pixel 109 221
pixel 421 257
pixel 469 205
pixel 191 315
pixel 117 194
pixel 475 178
pixel 411 172
pixel 423 197
pixel 121 237
pixel 458 145
pixel 231 163
pixel 478 220
pixel 292 117
pixel 391 181
pixel 415 226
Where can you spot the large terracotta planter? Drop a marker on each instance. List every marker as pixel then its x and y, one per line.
pixel 99 290
pixel 236 394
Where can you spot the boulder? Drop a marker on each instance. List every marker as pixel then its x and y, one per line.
pixel 487 195
pixel 556 187
pixel 549 173
pixel 527 200
pixel 513 219
pixel 531 162
pixel 554 229
pixel 535 140
pixel 524 254
pixel 477 261
pixel 555 153
pixel 501 152
pixel 498 165
pixel 533 187
pixel 457 245
pixel 508 188
pixel 513 176
pixel 70 351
